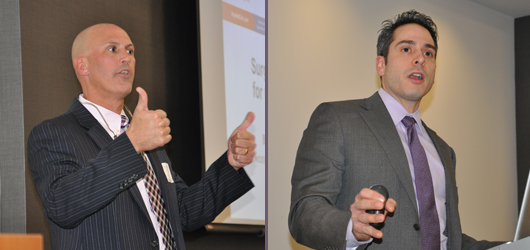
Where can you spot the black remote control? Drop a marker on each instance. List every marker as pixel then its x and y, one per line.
pixel 382 190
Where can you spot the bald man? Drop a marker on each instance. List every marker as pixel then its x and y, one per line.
pixel 103 177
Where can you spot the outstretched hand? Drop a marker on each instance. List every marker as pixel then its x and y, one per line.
pixel 369 199
pixel 241 144
pixel 149 129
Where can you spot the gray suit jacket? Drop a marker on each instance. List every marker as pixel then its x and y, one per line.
pixel 351 145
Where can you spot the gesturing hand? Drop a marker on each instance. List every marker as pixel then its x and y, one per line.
pixel 241 144
pixel 369 199
pixel 149 129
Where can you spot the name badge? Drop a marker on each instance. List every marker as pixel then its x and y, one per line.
pixel 167 171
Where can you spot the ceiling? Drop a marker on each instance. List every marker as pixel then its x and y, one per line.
pixel 513 8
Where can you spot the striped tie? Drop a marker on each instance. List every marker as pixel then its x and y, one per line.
pixel 155 198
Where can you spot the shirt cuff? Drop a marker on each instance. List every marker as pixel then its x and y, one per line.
pixel 351 242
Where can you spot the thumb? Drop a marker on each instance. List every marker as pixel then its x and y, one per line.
pixel 142 100
pixel 248 120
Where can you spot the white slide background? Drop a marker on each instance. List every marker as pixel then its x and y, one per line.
pixel 233 83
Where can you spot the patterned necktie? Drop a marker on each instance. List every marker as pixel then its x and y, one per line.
pixel 124 123
pixel 155 198
pixel 429 222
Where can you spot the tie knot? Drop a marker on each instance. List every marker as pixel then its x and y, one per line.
pixel 408 121
pixel 124 122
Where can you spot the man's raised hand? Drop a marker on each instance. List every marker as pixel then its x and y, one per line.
pixel 149 129
pixel 241 144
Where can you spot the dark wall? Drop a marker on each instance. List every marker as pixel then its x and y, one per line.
pixel 522 101
pixel 166 67
pixel 183 88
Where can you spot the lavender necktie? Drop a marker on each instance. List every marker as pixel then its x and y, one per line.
pixel 429 222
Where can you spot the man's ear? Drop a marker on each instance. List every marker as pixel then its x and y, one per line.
pixel 380 65
pixel 80 66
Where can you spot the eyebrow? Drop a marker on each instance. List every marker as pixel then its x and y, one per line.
pixel 116 43
pixel 411 42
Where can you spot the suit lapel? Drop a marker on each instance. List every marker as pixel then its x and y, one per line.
pixel 101 138
pixel 135 192
pixel 380 123
pixel 98 134
pixel 451 193
pixel 167 189
pixel 444 151
pixel 169 194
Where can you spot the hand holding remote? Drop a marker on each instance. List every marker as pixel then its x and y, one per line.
pixel 383 191
pixel 369 212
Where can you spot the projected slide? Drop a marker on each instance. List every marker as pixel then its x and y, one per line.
pixel 244 62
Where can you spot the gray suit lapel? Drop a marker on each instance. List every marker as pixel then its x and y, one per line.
pixel 451 193
pixel 445 156
pixel 380 123
pixel 443 152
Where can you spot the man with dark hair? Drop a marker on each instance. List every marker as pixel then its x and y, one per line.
pixel 389 26
pixel 108 184
pixel 349 146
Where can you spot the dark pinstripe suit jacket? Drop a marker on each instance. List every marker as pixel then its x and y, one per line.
pixel 87 184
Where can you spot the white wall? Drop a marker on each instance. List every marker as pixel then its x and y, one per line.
pixel 325 50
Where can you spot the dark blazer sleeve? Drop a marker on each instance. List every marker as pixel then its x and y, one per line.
pixel 73 177
pixel 221 185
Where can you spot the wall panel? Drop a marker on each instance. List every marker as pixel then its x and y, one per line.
pixel 12 160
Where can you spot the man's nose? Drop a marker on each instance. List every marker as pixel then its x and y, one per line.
pixel 126 59
pixel 419 60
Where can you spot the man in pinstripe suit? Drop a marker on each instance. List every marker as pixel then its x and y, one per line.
pixel 88 168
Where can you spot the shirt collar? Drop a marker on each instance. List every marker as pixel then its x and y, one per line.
pixel 113 119
pixel 398 112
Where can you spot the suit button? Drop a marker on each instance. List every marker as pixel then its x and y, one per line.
pixel 130 179
pixel 121 185
pixel 417 227
pixel 154 243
